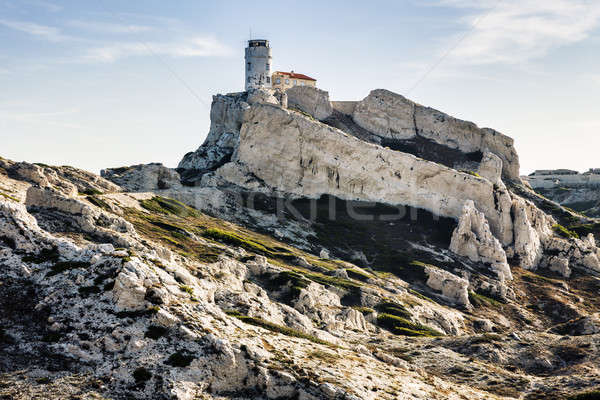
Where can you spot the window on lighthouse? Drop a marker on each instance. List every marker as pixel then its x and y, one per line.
pixel 268 67
pixel 249 66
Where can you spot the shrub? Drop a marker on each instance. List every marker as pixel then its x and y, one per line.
pixel 564 232
pixel 401 326
pixel 92 192
pixel 186 289
pixel 479 300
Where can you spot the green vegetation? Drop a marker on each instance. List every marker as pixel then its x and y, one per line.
pixel 564 232
pixel 166 206
pixel 585 229
pixel 180 359
pixel 141 375
pixel 275 328
pixel 98 202
pixel 593 395
pixel 92 192
pixel 9 197
pixel 395 309
pixel 479 300
pixel 402 326
pixel 358 274
pixel 235 240
pixel 186 289
pixel 300 279
pixel 473 173
pixel 486 338
pixel 324 356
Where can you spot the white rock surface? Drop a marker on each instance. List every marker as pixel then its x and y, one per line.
pixel 310 100
pixel 472 238
pixel 143 177
pixel 391 115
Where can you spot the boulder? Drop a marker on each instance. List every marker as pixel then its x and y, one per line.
pixel 310 100
pixel 143 177
pixel 451 286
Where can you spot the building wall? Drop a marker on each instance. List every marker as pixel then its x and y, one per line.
pixel 258 67
pixel 287 82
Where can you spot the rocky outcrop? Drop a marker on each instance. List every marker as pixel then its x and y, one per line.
pixel 297 160
pixel 310 100
pixel 451 286
pixel 393 116
pixel 68 180
pixel 473 239
pixel 143 177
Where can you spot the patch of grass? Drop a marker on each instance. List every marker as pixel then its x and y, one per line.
pixel 479 300
pixel 187 289
pixel 92 192
pixel 357 274
pixel 401 326
pixel 324 356
pixel 585 229
pixel 156 332
pixel 9 197
pixel 234 239
pixel 44 255
pixel 473 173
pixel 166 206
pixel 180 359
pixel 275 328
pixel 564 232
pixel 593 395
pixel 63 266
pixel 141 375
pixel 98 202
pixel 486 338
pixel 392 308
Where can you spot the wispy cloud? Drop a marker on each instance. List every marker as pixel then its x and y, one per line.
pixel 50 33
pixel 515 31
pixel 205 46
pixel 48 6
pixel 107 27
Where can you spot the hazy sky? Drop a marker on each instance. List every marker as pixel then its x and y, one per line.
pixel 109 83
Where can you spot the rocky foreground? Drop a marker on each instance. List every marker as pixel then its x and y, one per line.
pixel 198 284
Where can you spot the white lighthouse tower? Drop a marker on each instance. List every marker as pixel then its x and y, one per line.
pixel 258 64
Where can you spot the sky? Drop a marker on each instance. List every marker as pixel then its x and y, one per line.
pixel 107 83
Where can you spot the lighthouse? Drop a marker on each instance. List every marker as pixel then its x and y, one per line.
pixel 258 64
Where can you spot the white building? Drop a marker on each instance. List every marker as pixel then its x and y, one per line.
pixel 258 64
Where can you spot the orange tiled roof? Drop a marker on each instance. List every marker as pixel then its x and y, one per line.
pixel 296 75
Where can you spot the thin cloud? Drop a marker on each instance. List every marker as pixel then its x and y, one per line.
pixel 109 28
pixel 50 33
pixel 206 46
pixel 515 31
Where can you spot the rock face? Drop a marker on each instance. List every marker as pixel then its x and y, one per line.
pixel 394 116
pixel 473 239
pixel 143 177
pixel 310 100
pixel 297 160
